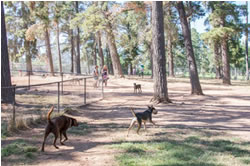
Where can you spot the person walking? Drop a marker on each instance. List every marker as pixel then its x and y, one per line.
pixel 96 76
pixel 105 75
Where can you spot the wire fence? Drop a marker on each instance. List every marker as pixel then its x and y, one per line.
pixel 34 94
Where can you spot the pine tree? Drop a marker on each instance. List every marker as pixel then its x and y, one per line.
pixel 159 60
pixel 194 78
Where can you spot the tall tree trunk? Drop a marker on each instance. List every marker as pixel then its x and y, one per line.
pixel 48 51
pixel 247 68
pixel 94 53
pixel 58 46
pixel 87 56
pixel 217 58
pixel 27 45
pixel 7 95
pixel 225 63
pixel 72 50
pixel 159 60
pixel 170 58
pixel 78 62
pixel 113 52
pixel 151 58
pixel 100 52
pixel 194 78
pixel 109 62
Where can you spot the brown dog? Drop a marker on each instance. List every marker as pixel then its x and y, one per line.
pixel 137 87
pixel 58 126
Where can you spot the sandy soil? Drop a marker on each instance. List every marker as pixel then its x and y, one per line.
pixel 224 109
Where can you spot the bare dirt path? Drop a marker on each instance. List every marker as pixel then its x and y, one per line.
pixel 223 109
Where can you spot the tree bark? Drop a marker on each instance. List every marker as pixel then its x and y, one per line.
pixel 78 62
pixel 58 46
pixel 7 95
pixel 100 52
pixel 225 63
pixel 217 58
pixel 113 52
pixel 170 58
pixel 194 78
pixel 48 51
pixel 247 67
pixel 151 58
pixel 28 57
pixel 109 62
pixel 159 60
pixel 94 53
pixel 72 50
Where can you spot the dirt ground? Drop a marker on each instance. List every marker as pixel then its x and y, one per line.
pixel 223 109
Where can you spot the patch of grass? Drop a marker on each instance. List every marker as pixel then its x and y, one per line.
pixel 4 130
pixel 81 129
pixel 20 148
pixel 191 151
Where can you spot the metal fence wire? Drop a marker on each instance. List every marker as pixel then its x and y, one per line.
pixel 40 91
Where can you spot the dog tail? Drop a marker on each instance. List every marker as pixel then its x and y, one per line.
pixel 49 113
pixel 133 112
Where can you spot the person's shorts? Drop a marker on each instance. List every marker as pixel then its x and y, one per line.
pixel 95 78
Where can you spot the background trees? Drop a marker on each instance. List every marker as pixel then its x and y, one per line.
pixel 119 35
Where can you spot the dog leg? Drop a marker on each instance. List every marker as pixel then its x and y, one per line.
pixel 145 126
pixel 131 124
pixel 56 135
pixel 61 139
pixel 65 135
pixel 139 126
pixel 45 137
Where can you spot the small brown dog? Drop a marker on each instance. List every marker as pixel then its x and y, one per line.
pixel 58 126
pixel 137 87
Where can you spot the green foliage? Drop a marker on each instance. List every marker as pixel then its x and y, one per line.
pixel 19 147
pixel 18 19
pixel 81 129
pixel 4 130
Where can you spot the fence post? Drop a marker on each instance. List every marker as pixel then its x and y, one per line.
pixel 62 81
pixel 85 94
pixel 14 103
pixel 58 96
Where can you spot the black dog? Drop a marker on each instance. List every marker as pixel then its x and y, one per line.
pixel 137 86
pixel 142 117
pixel 58 126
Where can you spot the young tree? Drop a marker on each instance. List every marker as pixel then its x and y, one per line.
pixel 194 78
pixel 171 29
pixel 100 52
pixel 40 10
pixel 57 16
pixel 159 60
pixel 247 68
pixel 6 94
